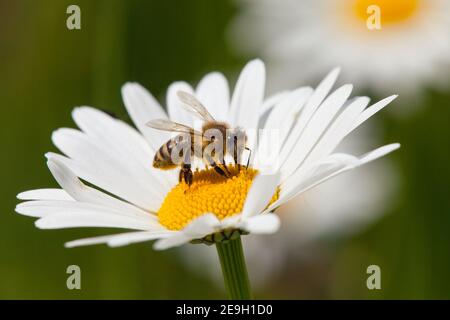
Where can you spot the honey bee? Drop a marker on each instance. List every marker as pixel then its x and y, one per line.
pixel 207 144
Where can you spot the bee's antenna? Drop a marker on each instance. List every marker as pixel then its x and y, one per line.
pixel 249 156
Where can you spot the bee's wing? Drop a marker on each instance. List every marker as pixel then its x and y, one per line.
pixel 167 125
pixel 195 106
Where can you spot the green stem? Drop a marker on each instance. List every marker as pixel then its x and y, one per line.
pixel 234 270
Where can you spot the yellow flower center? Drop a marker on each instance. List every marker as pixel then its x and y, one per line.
pixel 209 193
pixel 391 11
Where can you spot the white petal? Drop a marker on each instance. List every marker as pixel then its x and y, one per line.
pixel 308 111
pixel 126 239
pixel 197 229
pixel 89 241
pixel 80 192
pixel 369 112
pixel 303 181
pixel 72 214
pixel 100 174
pixel 338 130
pixel 281 118
pixel 202 226
pixel 174 240
pixel 322 90
pixel 177 112
pixel 113 134
pixel 271 101
pixel 263 223
pixel 44 194
pixel 143 107
pixel 307 177
pixel 289 105
pixel 119 239
pixel 248 96
pixel 313 131
pixel 262 189
pixel 231 222
pixel 103 168
pixel 41 208
pixel 214 93
pixel 378 153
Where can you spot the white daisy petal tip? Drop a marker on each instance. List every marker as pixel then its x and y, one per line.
pixel 132 89
pixel 348 87
pixel 130 85
pixel 40 224
pixel 176 240
pixel 262 224
pixel 256 66
pixel 257 61
pixel 78 243
pixel 79 110
pixel 390 98
pixel 336 71
pixel 18 208
pixel 197 229
pixel 69 245
pixel 24 196
pixel 332 75
pixel 378 153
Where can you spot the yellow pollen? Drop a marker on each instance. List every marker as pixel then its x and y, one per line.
pixel 391 11
pixel 209 193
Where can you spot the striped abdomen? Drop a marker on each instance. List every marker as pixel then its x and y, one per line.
pixel 163 158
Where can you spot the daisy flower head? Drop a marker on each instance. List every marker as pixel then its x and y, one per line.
pixel 380 44
pixel 125 191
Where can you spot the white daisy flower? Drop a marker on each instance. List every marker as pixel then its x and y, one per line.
pixel 130 194
pixel 409 51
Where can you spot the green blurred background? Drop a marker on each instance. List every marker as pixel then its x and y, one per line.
pixel 46 70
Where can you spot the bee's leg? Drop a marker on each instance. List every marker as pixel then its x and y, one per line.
pixel 186 173
pixel 226 168
pixel 221 160
pixel 219 170
pixel 186 167
pixel 216 167
pixel 235 155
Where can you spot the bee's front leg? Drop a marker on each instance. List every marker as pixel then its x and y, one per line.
pixel 235 154
pixel 215 166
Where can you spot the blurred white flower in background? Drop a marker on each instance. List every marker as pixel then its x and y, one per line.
pixel 410 52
